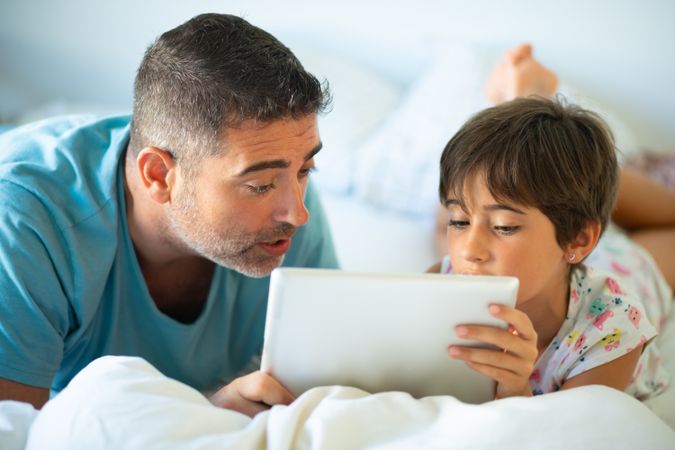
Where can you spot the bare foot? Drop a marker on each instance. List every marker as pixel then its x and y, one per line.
pixel 518 75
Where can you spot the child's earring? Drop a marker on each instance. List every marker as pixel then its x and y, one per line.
pixel 571 257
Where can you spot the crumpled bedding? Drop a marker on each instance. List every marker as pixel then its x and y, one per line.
pixel 124 402
pixel 16 419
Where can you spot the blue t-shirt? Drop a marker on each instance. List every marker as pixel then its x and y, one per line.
pixel 71 286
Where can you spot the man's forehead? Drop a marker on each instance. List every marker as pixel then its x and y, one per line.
pixel 254 136
pixel 289 141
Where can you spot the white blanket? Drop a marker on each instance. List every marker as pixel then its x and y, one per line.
pixel 124 403
pixel 15 421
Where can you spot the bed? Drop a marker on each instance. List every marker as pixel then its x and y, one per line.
pixel 123 402
pixel 377 176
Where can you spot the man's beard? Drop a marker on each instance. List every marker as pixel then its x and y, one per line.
pixel 234 248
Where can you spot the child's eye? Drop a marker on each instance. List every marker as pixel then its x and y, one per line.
pixel 506 230
pixel 458 224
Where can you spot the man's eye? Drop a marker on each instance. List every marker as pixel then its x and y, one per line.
pixel 261 189
pixel 306 171
pixel 459 224
pixel 506 230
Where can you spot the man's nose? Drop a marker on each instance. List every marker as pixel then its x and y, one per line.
pixel 294 210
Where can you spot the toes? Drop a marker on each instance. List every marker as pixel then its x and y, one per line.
pixel 519 54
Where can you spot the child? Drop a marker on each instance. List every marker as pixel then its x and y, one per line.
pixel 529 186
pixel 645 209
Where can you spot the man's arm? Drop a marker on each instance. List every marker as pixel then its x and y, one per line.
pixel 11 390
pixel 35 314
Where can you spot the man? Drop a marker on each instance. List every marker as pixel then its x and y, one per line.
pixel 154 237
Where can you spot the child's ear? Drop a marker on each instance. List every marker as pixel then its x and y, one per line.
pixel 156 169
pixel 584 243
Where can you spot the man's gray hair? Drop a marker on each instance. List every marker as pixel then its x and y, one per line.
pixel 212 73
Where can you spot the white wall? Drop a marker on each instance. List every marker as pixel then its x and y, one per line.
pixel 87 51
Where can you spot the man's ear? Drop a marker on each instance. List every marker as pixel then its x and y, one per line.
pixel 584 243
pixel 157 171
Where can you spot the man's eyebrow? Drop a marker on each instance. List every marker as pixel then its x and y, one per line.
pixel 494 207
pixel 277 163
pixel 313 151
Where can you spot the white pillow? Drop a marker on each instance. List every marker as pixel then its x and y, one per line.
pixel 398 165
pixel 624 135
pixel 362 98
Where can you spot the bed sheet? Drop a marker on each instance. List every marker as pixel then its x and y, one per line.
pixel 123 402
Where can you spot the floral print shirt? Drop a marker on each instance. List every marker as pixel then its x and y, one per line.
pixel 603 323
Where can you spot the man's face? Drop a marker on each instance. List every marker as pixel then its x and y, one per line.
pixel 243 206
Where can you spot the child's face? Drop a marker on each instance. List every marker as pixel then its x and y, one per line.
pixel 494 238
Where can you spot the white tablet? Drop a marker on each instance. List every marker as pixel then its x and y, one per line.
pixel 378 332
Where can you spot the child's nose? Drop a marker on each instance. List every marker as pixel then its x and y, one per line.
pixel 475 246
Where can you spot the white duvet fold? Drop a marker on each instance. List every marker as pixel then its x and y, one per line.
pixel 123 402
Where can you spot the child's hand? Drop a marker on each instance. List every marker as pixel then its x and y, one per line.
pixel 511 365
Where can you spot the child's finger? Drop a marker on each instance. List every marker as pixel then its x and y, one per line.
pixel 507 381
pixel 504 361
pixel 517 319
pixel 499 338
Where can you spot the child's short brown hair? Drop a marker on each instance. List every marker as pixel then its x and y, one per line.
pixel 542 153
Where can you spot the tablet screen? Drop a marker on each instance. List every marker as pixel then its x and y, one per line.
pixel 378 332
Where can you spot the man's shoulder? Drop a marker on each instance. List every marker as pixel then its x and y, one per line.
pixel 67 164
pixel 61 143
